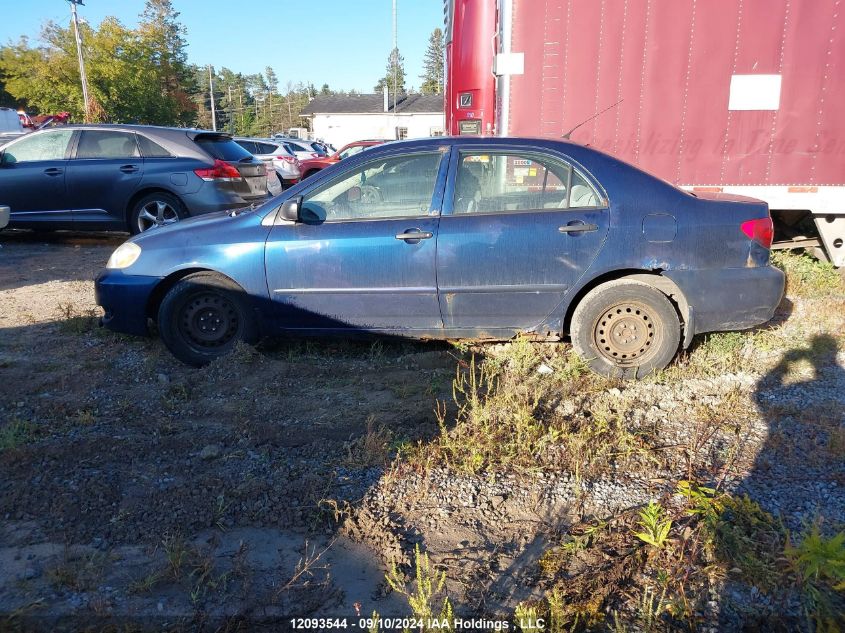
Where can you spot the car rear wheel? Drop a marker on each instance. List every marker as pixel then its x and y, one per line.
pixel 626 329
pixel 155 208
pixel 203 317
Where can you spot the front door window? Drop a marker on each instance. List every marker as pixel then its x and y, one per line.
pixel 395 187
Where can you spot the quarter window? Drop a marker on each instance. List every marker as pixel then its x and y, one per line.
pixel 47 146
pixel 151 149
pixel 107 144
pixel 399 186
pixel 501 182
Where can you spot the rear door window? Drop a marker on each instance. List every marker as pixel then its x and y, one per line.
pixel 503 182
pixel 106 144
pixel 223 148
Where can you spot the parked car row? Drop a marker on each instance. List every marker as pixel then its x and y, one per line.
pixel 279 159
pixel 130 177
pixel 125 177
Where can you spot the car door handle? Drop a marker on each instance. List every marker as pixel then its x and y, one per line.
pixel 415 235
pixel 54 171
pixel 578 228
pixel 129 169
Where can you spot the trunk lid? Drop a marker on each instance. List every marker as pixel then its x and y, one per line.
pixel 252 184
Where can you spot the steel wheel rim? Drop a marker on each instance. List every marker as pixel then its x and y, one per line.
pixel 209 320
pixel 627 333
pixel 156 212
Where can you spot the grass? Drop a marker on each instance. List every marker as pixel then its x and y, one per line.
pixel 808 277
pixel 76 321
pixel 15 434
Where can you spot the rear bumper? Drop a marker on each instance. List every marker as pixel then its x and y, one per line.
pixel 211 198
pixel 124 300
pixel 730 299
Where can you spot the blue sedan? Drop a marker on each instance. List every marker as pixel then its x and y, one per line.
pixel 450 238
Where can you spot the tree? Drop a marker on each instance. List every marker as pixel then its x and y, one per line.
pixel 163 37
pixel 394 77
pixel 433 65
pixel 134 75
pixel 272 79
pixel 325 90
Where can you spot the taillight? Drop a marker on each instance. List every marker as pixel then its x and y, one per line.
pixel 287 159
pixel 760 230
pixel 220 171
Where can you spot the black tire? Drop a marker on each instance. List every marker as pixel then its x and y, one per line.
pixel 144 212
pixel 644 337
pixel 203 317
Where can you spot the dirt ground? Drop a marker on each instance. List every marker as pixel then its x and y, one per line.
pixel 137 491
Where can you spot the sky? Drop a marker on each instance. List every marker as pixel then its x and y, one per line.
pixel 344 43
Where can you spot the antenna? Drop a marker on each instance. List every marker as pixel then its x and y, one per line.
pixel 597 114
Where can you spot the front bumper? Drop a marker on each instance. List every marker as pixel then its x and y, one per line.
pixel 124 299
pixel 730 299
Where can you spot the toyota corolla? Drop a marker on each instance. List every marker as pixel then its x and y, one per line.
pixel 451 238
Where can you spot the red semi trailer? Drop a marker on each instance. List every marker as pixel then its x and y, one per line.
pixel 740 96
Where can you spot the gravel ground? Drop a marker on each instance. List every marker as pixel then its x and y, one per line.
pixel 136 490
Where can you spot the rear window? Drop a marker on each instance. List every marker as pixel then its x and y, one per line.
pixel 223 148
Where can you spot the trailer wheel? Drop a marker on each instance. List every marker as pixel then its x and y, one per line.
pixel 626 329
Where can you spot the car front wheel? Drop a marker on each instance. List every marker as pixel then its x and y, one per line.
pixel 626 329
pixel 157 208
pixel 203 317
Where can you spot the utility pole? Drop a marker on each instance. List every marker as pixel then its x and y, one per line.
pixel 211 94
pixel 82 75
pixel 231 113
pixel 395 55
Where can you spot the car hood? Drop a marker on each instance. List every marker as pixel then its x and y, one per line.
pixel 199 228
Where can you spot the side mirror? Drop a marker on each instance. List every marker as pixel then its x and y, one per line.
pixel 290 209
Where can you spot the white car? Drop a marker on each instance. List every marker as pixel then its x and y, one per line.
pixel 4 216
pixel 278 158
pixel 302 149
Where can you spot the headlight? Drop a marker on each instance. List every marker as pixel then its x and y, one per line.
pixel 124 256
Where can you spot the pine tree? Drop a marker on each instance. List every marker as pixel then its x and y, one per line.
pixel 433 64
pixel 163 36
pixel 395 63
pixel 272 79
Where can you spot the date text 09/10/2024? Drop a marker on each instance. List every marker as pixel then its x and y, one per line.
pixel 400 624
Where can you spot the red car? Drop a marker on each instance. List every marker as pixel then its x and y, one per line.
pixel 313 165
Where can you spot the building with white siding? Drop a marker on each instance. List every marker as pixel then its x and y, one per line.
pixel 341 119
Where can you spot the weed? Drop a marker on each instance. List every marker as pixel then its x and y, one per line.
pixel 819 558
pixel 15 434
pixel 75 321
pixel 372 448
pixel 221 509
pixel 655 528
pixel 819 563
pixel 86 417
pixel 145 584
pixel 427 587
pixel 807 276
pixel 77 572
pixel 529 617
